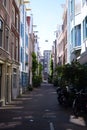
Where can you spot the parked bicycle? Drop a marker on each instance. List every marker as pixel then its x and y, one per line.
pixel 66 95
pixel 80 102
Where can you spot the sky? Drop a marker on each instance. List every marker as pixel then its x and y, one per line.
pixel 47 15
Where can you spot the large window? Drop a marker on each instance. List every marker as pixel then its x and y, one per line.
pixel 1 32
pixel 78 35
pixel 6 39
pixel 85 28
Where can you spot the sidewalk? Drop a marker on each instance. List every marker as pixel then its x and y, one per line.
pixel 13 111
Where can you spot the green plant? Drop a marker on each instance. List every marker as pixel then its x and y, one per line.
pixel 36 81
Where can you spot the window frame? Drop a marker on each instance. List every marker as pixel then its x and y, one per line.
pixel 2 30
pixel 12 46
pixel 7 39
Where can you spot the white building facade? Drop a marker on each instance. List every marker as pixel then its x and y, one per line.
pixel 77 30
pixel 24 52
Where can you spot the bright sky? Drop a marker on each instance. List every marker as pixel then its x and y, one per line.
pixel 47 15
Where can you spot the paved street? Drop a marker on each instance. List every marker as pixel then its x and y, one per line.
pixel 39 110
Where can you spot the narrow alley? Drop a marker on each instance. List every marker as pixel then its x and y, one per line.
pixel 39 110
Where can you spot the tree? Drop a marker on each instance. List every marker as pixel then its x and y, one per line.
pixel 34 63
pixel 40 68
pixel 50 77
pixel 51 68
pixel 74 73
pixel 36 71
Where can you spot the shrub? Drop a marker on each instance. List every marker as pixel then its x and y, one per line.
pixel 55 81
pixel 36 81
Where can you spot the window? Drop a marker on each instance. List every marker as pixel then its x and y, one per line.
pixel 77 7
pixel 12 47
pixel 21 54
pixel 1 32
pixel 72 6
pixel 83 2
pixel 85 28
pixel 26 58
pixel 13 15
pixel 72 37
pixel 78 35
pixel 4 3
pixel 17 22
pixel 7 39
pixel 26 40
pixel 22 30
pixel 17 49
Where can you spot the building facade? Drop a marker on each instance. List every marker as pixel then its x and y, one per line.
pixel 31 46
pixel 61 40
pixel 60 45
pixel 77 14
pixel 75 28
pixel 9 50
pixel 15 45
pixel 46 66
pixel 76 31
pixel 24 52
pixel 65 35
pixel 83 56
